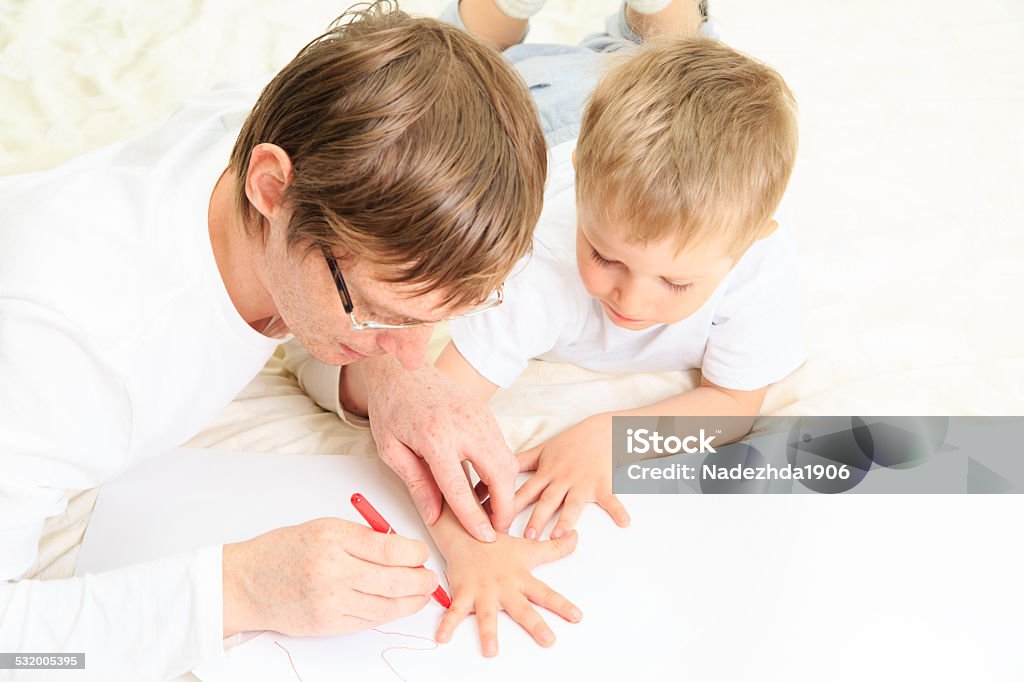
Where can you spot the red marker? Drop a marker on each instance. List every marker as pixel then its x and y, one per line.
pixel 377 522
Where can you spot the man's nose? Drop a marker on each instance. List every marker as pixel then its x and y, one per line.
pixel 409 346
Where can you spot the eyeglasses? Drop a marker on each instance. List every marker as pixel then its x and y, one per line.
pixel 493 301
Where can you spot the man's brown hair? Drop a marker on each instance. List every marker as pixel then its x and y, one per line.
pixel 413 145
pixel 688 139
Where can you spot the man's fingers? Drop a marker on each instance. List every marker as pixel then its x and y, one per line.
pixel 385 549
pixel 498 472
pixel 395 581
pixel 481 490
pixel 569 515
pixel 540 594
pixel 453 615
pixel 549 502
pixel 383 609
pixel 524 614
pixel 557 548
pixel 528 459
pixel 611 504
pixel 416 475
pixel 460 497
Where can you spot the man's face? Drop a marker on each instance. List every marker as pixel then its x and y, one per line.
pixel 641 285
pixel 307 300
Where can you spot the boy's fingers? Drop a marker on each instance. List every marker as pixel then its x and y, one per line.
pixel 611 504
pixel 487 624
pixel 549 502
pixel 569 515
pixel 557 548
pixel 528 493
pixel 453 615
pixel 527 616
pixel 540 594
pixel 528 459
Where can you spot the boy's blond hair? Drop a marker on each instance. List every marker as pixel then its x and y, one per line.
pixel 688 139
pixel 413 145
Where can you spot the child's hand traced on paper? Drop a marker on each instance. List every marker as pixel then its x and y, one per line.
pixel 573 468
pixel 489 577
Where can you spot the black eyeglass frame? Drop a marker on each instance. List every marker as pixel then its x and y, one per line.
pixel 361 325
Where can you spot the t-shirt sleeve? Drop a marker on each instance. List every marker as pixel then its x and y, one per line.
pixel 537 307
pixel 755 338
pixel 151 621
pixel 320 382
pixel 65 424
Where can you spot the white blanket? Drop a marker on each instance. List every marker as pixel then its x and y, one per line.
pixel 904 203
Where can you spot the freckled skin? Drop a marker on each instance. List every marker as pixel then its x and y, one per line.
pixel 307 300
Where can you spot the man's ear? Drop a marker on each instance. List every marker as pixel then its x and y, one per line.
pixel 270 171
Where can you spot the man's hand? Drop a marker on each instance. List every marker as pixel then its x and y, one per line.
pixel 425 426
pixel 323 577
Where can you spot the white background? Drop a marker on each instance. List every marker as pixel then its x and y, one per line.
pixel 910 219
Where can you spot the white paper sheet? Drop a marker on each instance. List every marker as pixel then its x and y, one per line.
pixel 701 587
pixel 193 497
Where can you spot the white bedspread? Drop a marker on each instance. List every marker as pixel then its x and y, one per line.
pixel 905 202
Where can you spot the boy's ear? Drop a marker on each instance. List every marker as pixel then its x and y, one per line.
pixel 573 157
pixel 270 171
pixel 768 229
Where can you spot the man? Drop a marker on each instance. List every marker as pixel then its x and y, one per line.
pixel 389 177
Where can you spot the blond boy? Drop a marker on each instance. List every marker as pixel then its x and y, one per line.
pixel 684 151
pixel 683 154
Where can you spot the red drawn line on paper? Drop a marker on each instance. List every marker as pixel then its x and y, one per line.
pixel 294 669
pixel 383 654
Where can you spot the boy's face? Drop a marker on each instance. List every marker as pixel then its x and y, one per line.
pixel 641 285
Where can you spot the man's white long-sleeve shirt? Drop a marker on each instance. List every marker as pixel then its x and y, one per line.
pixel 118 341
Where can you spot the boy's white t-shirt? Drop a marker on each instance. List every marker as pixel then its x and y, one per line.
pixel 746 336
pixel 118 341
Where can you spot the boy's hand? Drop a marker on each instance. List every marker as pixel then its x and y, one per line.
pixel 488 577
pixel 573 468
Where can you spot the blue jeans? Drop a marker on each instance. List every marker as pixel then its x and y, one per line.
pixel 561 77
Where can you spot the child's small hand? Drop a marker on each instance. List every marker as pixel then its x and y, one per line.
pixel 489 577
pixel 573 468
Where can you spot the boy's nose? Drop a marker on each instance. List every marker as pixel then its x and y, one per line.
pixel 628 298
pixel 409 346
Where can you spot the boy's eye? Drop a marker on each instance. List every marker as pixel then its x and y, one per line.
pixel 678 288
pixel 601 260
